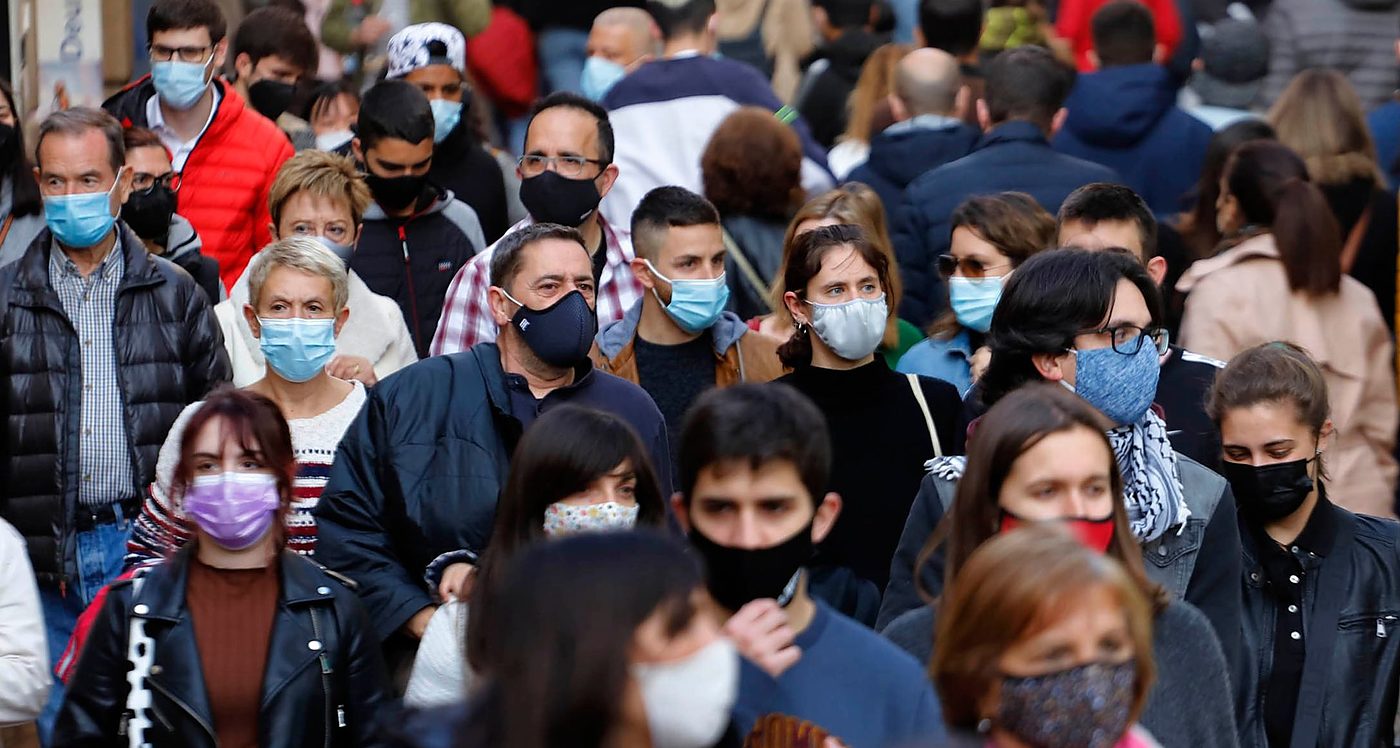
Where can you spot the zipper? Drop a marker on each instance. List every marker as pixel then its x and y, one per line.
pixel 167 694
pixel 1381 624
pixel 326 677
pixel 408 276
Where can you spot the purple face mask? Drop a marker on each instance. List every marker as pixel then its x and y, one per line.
pixel 233 509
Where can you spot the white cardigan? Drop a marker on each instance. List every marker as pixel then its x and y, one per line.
pixel 24 657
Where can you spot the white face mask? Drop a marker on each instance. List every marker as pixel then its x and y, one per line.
pixel 562 519
pixel 688 702
pixel 329 141
pixel 852 330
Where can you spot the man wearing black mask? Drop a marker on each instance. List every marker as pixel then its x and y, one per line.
pixel 416 235
pixel 413 490
pixel 272 50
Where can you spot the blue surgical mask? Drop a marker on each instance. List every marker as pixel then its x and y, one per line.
pixel 446 115
pixel 852 330
pixel 695 304
pixel 297 348
pixel 974 300
pixel 81 221
pixel 599 76
pixel 180 84
pixel 1122 387
pixel 343 251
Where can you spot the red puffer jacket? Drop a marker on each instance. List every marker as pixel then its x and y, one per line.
pixel 225 182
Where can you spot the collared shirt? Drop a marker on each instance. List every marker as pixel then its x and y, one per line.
pixel 104 455
pixel 179 149
pixel 466 314
pixel 923 122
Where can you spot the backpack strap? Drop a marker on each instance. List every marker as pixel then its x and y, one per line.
pixel 747 269
pixel 928 416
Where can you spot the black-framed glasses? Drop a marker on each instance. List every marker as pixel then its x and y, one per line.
pixel 948 266
pixel 1128 339
pixel 533 165
pixel 143 182
pixel 162 53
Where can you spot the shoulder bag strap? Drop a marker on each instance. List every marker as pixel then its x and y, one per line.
pixel 1332 586
pixel 750 274
pixel 5 229
pixel 1354 238
pixel 141 653
pixel 928 417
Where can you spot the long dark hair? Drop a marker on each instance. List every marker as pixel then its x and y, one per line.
pixel 561 629
pixel 1271 185
pixel 1197 226
pixel 803 260
pixel 561 453
pixel 25 199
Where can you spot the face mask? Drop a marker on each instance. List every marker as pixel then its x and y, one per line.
pixel 396 193
pixel 180 84
pixel 695 304
pixel 343 251
pixel 148 213
pixel 561 334
pixel 1269 493
pixel 551 198
pixel 446 115
pixel 1095 534
pixel 738 576
pixel 81 221
pixel 1121 387
pixel 562 519
pixel 599 76
pixel 297 348
pixel 973 301
pixel 271 98
pixel 330 141
pixel 1083 707
pixel 851 330
pixel 234 509
pixel 688 702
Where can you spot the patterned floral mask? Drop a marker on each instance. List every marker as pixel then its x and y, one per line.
pixel 1082 707
pixel 562 519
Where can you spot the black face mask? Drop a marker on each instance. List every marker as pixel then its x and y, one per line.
pixel 562 333
pixel 271 98
pixel 396 193
pixel 148 213
pixel 551 198
pixel 1270 492
pixel 738 576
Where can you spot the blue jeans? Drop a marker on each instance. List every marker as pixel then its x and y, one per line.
pixel 562 53
pixel 99 559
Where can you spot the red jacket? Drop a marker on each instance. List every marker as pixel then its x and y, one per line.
pixel 224 185
pixel 1072 24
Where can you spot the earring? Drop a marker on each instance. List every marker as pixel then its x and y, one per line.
pixel 985 726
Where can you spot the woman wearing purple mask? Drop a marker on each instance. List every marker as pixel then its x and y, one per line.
pixel 233 640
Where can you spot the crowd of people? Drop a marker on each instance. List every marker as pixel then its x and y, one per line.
pixel 695 373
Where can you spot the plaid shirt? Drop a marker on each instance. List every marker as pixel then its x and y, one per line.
pixel 466 315
pixel 104 455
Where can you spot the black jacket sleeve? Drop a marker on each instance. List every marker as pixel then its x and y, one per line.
pixel 369 703
pixel 901 594
pixel 206 359
pixel 96 696
pixel 907 234
pixel 1214 587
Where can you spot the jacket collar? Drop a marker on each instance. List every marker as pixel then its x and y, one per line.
pixel 1012 131
pixel 619 335
pixel 32 275
pixel 164 586
pixel 493 375
pixel 1259 246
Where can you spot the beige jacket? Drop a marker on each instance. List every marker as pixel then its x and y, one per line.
pixel 1240 298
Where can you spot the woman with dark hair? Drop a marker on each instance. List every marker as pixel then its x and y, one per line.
pixel 884 426
pixel 1281 279
pixel 233 640
pixel 1321 584
pixel 21 207
pixel 1198 227
pixel 992 236
pixel 1041 456
pixel 575 470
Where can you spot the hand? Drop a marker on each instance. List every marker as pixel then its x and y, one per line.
pixel 370 31
pixel 979 362
pixel 419 622
pixel 458 580
pixel 352 367
pixel 761 633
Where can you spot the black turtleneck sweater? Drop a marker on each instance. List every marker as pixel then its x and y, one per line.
pixel 879 445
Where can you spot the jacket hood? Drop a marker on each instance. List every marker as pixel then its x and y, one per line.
pixel 182 239
pixel 903 155
pixel 725 333
pixel 1119 106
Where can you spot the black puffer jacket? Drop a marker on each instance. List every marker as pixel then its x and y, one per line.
pixel 169 353
pixel 325 682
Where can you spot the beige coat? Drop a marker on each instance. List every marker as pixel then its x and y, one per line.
pixel 1241 298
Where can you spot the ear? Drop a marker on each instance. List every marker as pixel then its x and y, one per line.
pixel 358 230
pixel 820 18
pixel 340 320
pixel 1159 53
pixel 220 52
pixel 1198 65
pixel 1397 49
pixel 921 41
pixel 272 230
pixel 251 317
pixel 984 116
pixel 243 66
pixel 681 511
pixel 1094 62
pixel 825 517
pixel 605 180
pixel 642 272
pixel 1325 438
pixel 962 103
pixel 359 154
pixel 502 308
pixel 897 108
pixel 1058 121
pixel 1157 268
pixel 35 169
pixel 125 177
pixel 795 308
pixel 1050 366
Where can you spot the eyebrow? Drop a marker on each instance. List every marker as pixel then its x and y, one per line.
pixel 556 277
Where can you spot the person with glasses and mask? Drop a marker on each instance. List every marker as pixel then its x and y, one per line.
pixel 224 151
pixel 150 211
pixel 21 206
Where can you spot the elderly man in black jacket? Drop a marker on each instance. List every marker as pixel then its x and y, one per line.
pixel 101 346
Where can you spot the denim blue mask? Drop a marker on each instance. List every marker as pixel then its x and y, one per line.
pixel 297 348
pixel 599 76
pixel 695 304
pixel 81 221
pixel 180 84
pixel 446 115
pixel 1122 387
pixel 973 301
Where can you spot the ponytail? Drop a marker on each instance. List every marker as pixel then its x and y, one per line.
pixel 1308 238
pixel 797 351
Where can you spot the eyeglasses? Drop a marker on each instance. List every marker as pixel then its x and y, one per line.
pixel 565 166
pixel 1128 339
pixel 143 182
pixel 162 53
pixel 948 265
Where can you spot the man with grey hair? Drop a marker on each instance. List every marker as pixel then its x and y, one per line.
pixel 101 346
pixel 929 104
pixel 620 41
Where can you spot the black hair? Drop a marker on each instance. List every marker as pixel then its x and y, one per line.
pixel 507 258
pixel 394 109
pixel 753 425
pixel 1051 298
pixel 845 14
pixel 1102 201
pixel 1123 33
pixel 270 31
pixel 176 15
pixel 606 142
pixel 663 208
pixel 25 199
pixel 954 26
pixel 1027 83
pixel 1198 227
pixel 676 17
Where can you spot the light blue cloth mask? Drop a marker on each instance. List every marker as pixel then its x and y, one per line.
pixel 446 115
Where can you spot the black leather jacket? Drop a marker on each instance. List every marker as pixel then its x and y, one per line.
pixel 1358 692
pixel 324 684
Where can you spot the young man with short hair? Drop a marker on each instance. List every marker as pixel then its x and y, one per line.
pixel 272 50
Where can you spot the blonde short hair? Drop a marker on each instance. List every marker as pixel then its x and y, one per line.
pixel 304 254
pixel 324 175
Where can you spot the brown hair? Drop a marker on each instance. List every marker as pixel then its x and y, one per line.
pixel 1016 586
pixel 803 263
pixel 1275 372
pixel 323 174
pixel 857 204
pixel 1013 222
pixel 872 90
pixel 74 123
pixel 142 137
pixel 753 165
pixel 1320 117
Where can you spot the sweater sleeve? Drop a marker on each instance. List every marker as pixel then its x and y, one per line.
pixel 24 656
pixel 160 528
